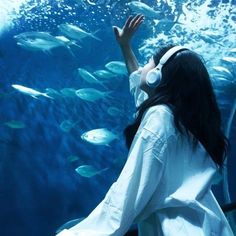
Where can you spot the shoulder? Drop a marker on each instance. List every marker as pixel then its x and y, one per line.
pixel 159 120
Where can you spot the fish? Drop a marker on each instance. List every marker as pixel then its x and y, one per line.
pixel 233 50
pixel 69 224
pixel 66 40
pixel 67 125
pixel 68 43
pixel 87 76
pixel 91 94
pixel 222 70
pixel 229 59
pixel 68 92
pixel 209 39
pixel 104 74
pixel 15 124
pixel 88 171
pixel 75 32
pixel 53 93
pixel 41 41
pixel 29 91
pixel 72 158
pixel 101 136
pixel 117 67
pixel 144 9
pixel 113 111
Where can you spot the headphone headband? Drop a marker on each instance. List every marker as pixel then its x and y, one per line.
pixel 169 54
pixel 154 76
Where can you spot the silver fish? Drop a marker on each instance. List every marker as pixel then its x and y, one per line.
pixel 104 74
pixel 91 94
pixel 28 91
pixel 67 125
pixel 144 9
pixel 229 59
pixel 89 77
pixel 114 111
pixel 88 171
pixel 68 92
pixel 222 70
pixel 233 50
pixel 72 158
pixel 75 32
pixel 40 41
pixel 117 67
pixel 15 124
pixel 100 136
pixel 53 93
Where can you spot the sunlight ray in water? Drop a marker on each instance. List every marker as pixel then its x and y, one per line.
pixel 8 12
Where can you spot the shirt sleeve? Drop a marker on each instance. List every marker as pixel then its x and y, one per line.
pixel 128 196
pixel 134 82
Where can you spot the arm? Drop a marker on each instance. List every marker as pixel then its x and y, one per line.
pixel 130 59
pixel 123 37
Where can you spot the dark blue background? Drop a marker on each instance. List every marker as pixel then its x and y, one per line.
pixel 39 188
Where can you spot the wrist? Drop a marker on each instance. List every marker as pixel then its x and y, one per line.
pixel 125 45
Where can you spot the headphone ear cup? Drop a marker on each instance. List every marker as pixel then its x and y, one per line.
pixel 153 78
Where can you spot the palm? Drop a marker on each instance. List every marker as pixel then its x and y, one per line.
pixel 131 25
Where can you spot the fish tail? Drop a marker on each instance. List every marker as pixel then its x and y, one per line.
pixel 74 43
pixel 107 94
pixel 95 37
pixel 46 95
pixel 104 86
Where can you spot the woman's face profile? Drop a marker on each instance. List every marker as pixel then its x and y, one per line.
pixel 147 67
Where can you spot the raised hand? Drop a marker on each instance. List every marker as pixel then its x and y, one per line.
pixel 124 35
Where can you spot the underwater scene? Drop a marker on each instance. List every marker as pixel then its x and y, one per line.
pixel 65 100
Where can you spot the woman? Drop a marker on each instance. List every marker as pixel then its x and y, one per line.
pixel 176 146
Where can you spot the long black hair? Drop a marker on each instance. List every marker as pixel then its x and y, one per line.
pixel 186 88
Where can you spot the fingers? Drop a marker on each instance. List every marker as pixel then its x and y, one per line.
pixel 136 20
pixel 128 22
pixel 116 30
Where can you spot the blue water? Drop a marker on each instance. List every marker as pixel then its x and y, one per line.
pixel 39 187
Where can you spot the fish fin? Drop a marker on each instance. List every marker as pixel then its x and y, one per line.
pixel 105 169
pixel 116 131
pixel 70 51
pixel 107 94
pixel 96 31
pixel 104 86
pixel 95 37
pixel 46 95
pixel 73 42
pixel 34 97
pixel 48 52
pixel 108 145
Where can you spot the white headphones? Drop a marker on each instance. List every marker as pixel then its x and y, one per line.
pixel 153 77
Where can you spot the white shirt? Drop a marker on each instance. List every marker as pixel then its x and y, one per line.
pixel 164 185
